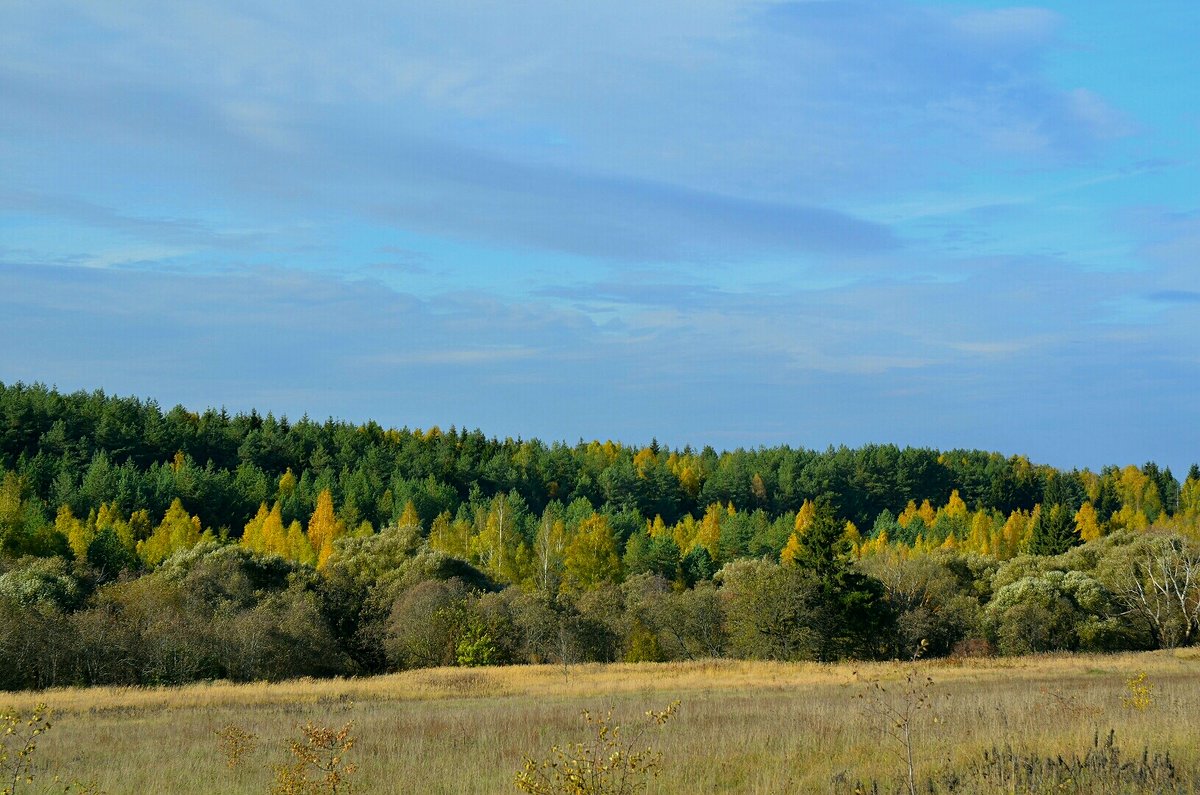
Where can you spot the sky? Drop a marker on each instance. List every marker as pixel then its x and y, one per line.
pixel 940 224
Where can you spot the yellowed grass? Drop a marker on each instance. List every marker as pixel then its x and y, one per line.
pixel 743 726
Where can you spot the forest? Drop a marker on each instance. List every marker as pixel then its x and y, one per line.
pixel 143 546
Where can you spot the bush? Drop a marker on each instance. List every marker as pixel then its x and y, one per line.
pixel 613 762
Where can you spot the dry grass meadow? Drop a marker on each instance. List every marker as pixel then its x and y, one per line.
pixel 742 727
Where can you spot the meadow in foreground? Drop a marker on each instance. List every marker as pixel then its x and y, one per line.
pixel 750 727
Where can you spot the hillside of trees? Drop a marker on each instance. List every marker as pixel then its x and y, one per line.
pixel 139 545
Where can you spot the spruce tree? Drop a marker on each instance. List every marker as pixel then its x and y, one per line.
pixel 1054 531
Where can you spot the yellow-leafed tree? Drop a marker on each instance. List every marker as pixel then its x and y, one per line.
pixel 955 508
pixel 1189 497
pixel 324 528
pixel 689 481
pixel 76 531
pixel 252 534
pixel 804 520
pixel 108 517
pixel 287 484
pixel 1014 538
pixel 274 536
pixel 452 536
pixel 1086 524
pixel 591 556
pixel 298 548
pixel 911 511
pixel 409 516
pixel 178 530
pixel 709 533
pixel 684 532
pixel 872 546
pixel 982 536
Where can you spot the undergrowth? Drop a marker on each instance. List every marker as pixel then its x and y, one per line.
pixel 1102 769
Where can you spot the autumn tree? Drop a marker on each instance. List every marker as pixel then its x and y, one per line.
pixel 177 531
pixel 324 528
pixel 549 551
pixel 591 557
pixel 1087 524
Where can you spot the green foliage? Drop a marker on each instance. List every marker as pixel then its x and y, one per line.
pixel 772 612
pixel 1054 530
pixel 41 581
pixel 476 646
pixel 1101 768
pixel 934 608
pixel 425 625
pixel 108 556
pixel 501 550
pixel 1049 611
pixel 1156 579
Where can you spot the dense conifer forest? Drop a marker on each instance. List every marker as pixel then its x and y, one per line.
pixel 142 545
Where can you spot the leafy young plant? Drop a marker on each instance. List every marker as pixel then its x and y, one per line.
pixel 235 743
pixel 18 743
pixel 19 737
pixel 1139 692
pixel 320 764
pixel 898 708
pixel 613 762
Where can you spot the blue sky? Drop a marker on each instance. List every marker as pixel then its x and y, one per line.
pixel 949 224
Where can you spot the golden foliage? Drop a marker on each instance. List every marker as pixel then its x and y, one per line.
pixel 611 763
pixel 1086 524
pixel 590 557
pixel 1139 692
pixel 177 531
pixel 18 741
pixel 319 764
pixel 235 743
pixel 409 516
pixel 324 528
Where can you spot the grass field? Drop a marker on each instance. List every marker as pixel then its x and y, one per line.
pixel 742 726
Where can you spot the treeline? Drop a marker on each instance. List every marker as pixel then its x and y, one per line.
pixel 86 449
pixel 139 546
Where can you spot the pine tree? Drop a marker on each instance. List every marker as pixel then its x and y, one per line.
pixel 823 548
pixel 1053 531
pixel 854 611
